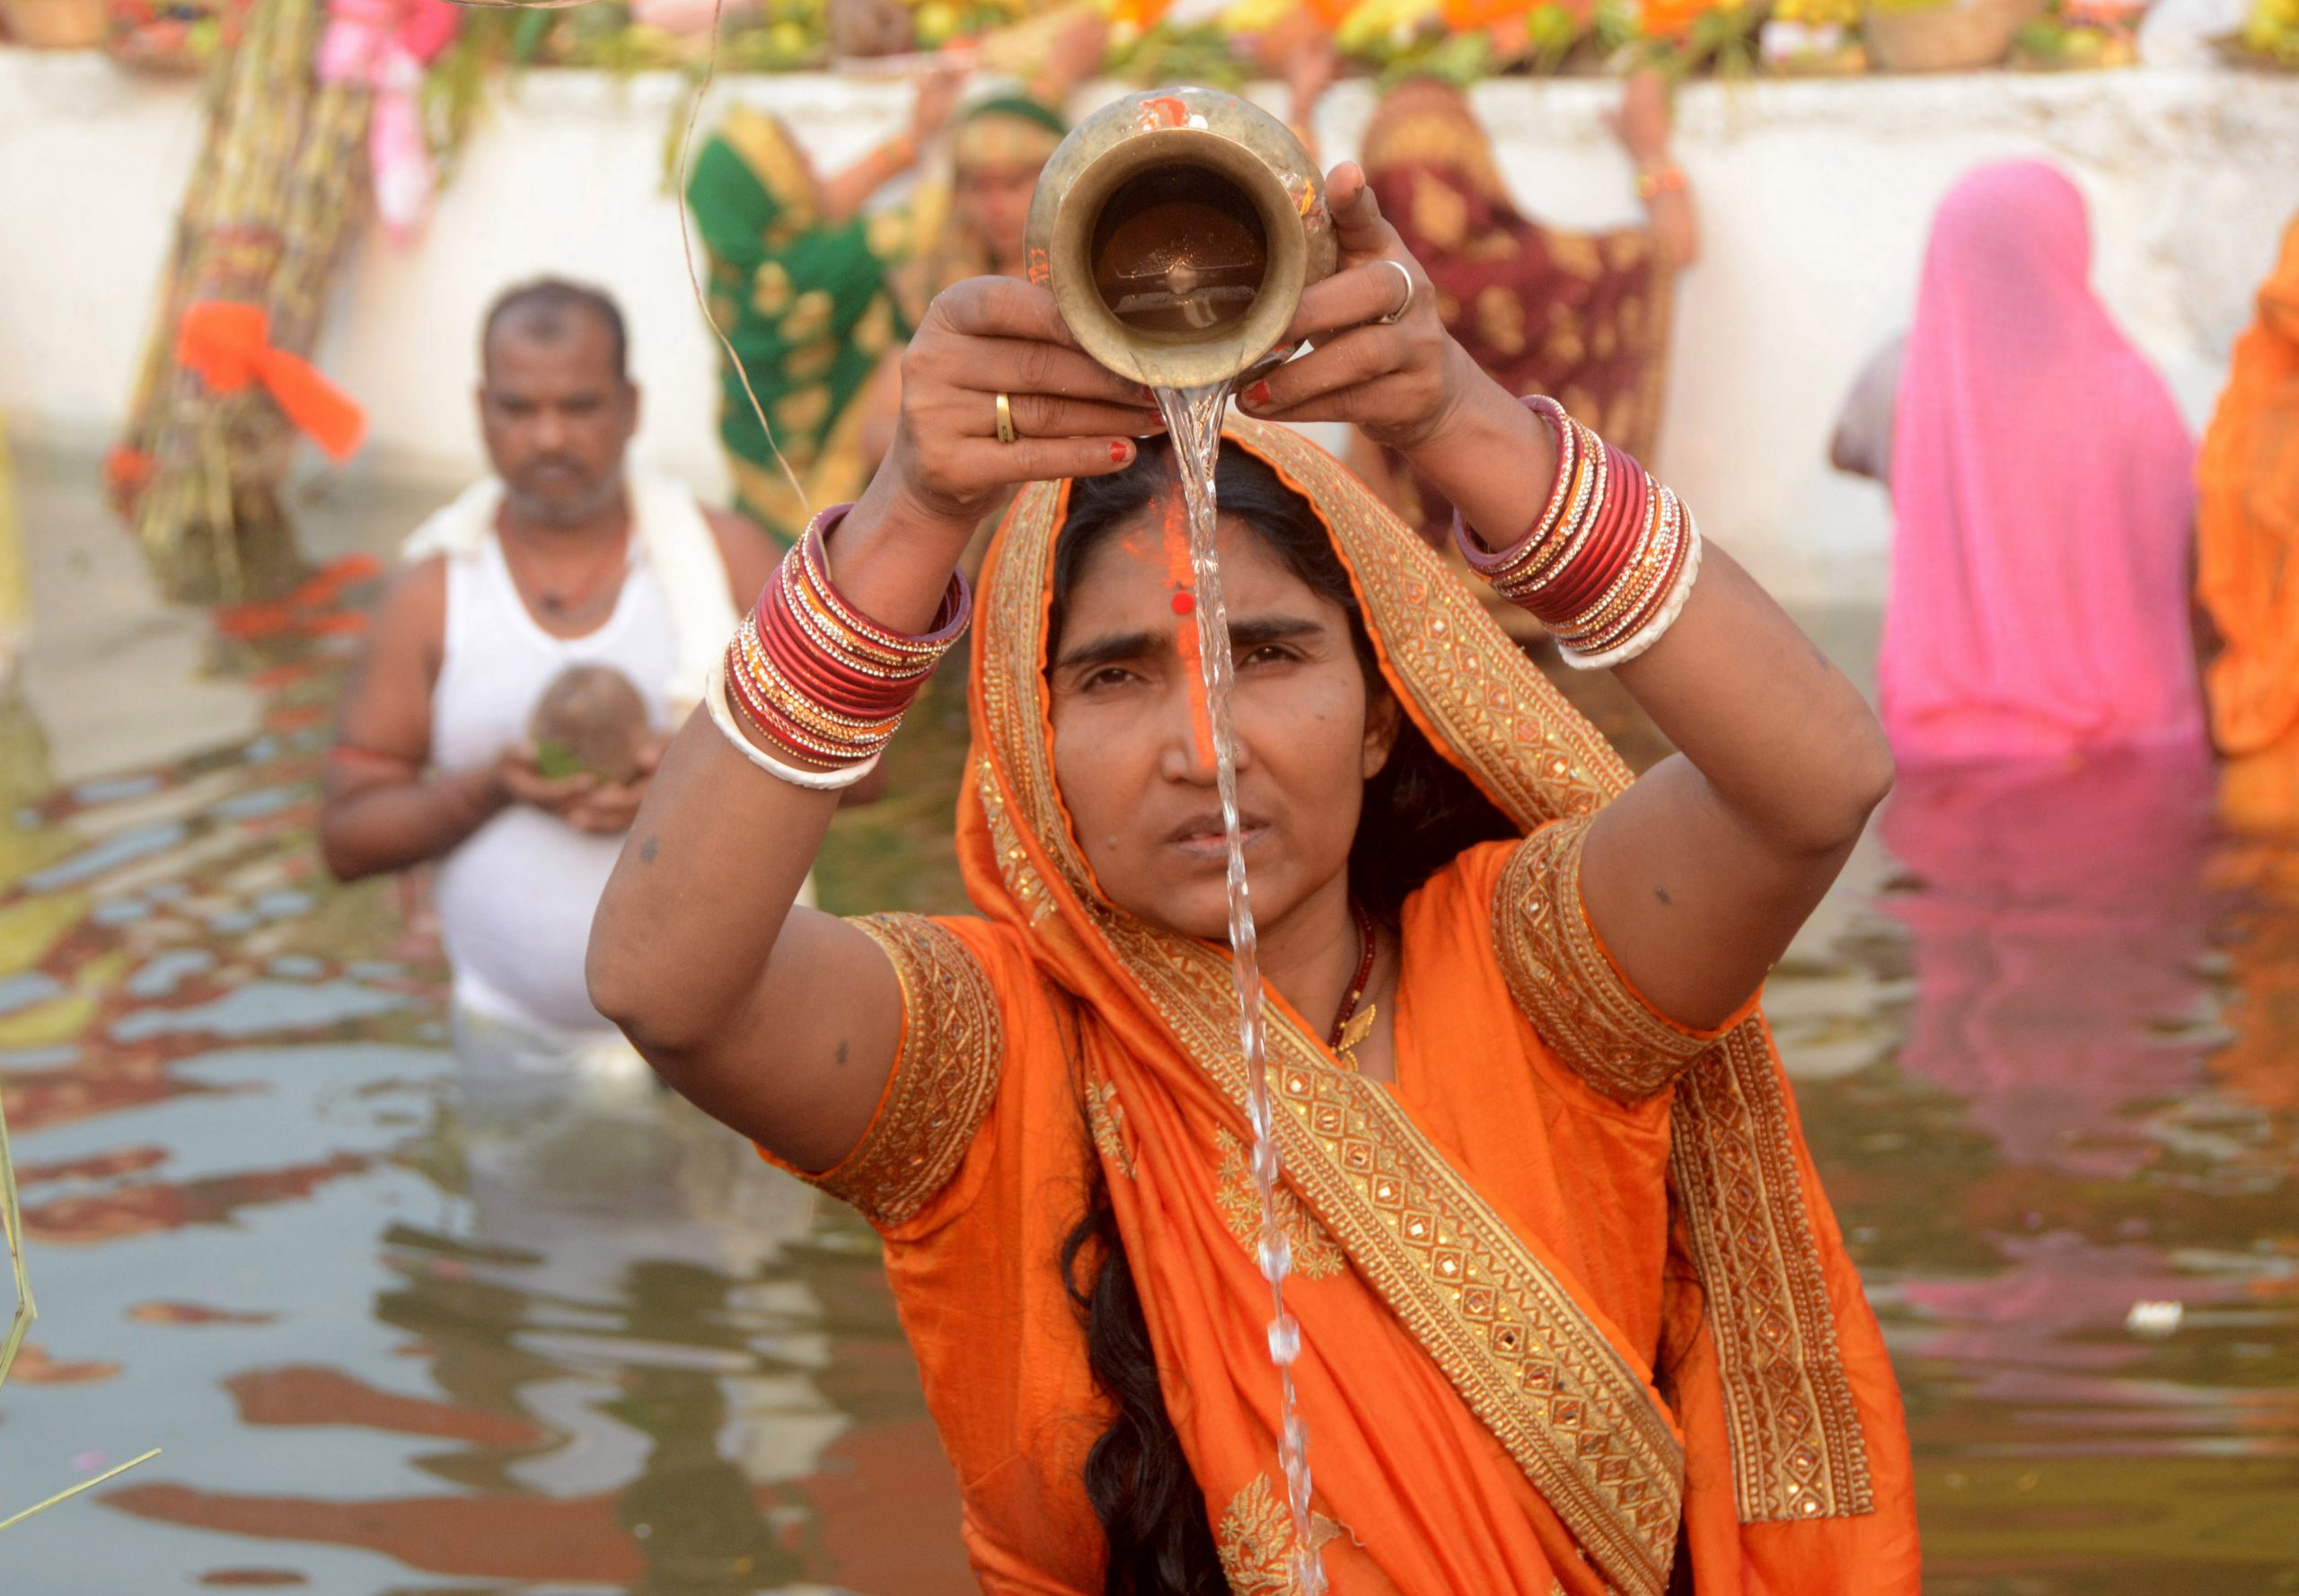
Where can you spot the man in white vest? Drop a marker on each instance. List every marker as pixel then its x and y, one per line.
pixel 563 558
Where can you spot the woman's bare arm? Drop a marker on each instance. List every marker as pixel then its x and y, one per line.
pixel 845 192
pixel 1698 877
pixel 1700 874
pixel 780 1021
pixel 1645 123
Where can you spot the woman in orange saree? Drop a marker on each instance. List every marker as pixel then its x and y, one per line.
pixel 1575 1316
pixel 2247 530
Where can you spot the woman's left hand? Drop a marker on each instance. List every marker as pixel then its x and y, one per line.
pixel 1402 381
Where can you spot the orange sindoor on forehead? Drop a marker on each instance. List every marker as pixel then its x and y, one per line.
pixel 1173 520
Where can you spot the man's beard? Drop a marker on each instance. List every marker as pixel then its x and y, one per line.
pixel 568 510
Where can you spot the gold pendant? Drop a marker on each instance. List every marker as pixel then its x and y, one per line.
pixel 1360 1027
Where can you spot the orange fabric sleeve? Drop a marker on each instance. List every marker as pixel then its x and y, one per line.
pixel 1569 985
pixel 943 1085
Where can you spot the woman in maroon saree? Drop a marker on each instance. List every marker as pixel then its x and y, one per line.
pixel 1581 315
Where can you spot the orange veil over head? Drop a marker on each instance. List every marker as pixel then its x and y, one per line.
pixel 2247 535
pixel 1474 1425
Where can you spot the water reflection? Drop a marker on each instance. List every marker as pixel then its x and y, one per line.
pixel 2057 916
pixel 2046 1036
pixel 389 1348
pixel 2052 1136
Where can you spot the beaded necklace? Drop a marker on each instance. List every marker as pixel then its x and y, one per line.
pixel 1350 1026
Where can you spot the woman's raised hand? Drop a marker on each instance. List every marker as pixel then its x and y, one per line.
pixel 1400 377
pixel 1072 417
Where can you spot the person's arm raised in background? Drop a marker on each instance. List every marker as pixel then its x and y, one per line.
pixel 844 193
pixel 1645 127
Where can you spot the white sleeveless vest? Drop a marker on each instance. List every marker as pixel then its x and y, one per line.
pixel 515 899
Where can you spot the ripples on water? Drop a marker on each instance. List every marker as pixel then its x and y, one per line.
pixel 2047 1042
pixel 631 1359
pixel 2051 1069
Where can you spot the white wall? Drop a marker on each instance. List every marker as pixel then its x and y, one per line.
pixel 93 164
pixel 1814 198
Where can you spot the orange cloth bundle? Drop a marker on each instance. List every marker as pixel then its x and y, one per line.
pixel 229 345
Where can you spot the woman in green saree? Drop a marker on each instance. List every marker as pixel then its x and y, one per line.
pixel 816 295
pixel 800 287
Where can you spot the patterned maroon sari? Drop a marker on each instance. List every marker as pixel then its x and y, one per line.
pixel 1582 317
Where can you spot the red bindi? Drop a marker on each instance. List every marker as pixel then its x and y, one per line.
pixel 1184 602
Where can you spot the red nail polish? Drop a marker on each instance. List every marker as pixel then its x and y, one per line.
pixel 1120 451
pixel 1257 396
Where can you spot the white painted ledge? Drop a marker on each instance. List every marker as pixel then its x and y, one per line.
pixel 1814 200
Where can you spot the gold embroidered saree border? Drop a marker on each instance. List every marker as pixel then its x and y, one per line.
pixel 1491 709
pixel 1798 1452
pixel 1521 1351
pixel 945 1078
pixel 1797 1445
pixel 1597 1026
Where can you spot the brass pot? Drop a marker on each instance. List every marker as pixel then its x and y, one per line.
pixel 1177 229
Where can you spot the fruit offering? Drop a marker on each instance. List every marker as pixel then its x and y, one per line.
pixel 2272 30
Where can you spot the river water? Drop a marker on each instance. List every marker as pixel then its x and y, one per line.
pixel 2045 1035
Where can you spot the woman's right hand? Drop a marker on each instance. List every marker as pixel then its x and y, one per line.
pixel 931 105
pixel 980 338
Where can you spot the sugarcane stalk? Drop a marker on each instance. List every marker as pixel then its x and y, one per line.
pixel 265 221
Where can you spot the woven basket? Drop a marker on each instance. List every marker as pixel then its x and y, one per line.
pixel 1954 38
pixel 55 24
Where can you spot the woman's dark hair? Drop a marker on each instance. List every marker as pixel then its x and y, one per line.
pixel 1419 812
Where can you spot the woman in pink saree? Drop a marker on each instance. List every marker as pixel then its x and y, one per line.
pixel 2042 482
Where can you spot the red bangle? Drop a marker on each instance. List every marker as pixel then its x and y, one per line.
pixel 815 675
pixel 1610 554
pixel 1624 526
pixel 838 684
pixel 1638 584
pixel 1534 563
pixel 1490 562
pixel 1619 520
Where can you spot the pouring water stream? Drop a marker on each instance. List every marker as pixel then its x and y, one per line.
pixel 1194 422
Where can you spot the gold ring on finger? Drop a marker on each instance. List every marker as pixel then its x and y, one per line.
pixel 1006 433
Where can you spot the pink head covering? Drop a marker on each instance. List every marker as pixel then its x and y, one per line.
pixel 2043 483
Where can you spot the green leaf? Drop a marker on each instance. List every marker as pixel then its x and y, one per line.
pixel 555 762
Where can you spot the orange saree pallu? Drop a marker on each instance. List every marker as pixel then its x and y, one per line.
pixel 2247 536
pixel 1570 1296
